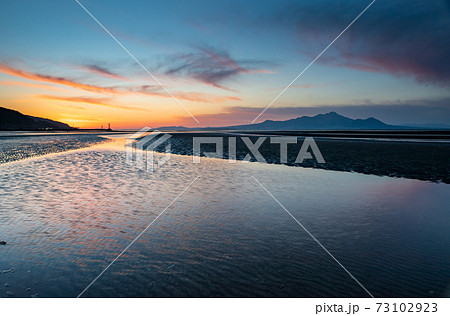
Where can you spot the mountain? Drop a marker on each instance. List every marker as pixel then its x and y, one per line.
pixel 14 120
pixel 173 128
pixel 328 121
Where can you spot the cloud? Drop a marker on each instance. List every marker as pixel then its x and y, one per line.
pixel 152 90
pixel 102 71
pixel 205 97
pixel 91 100
pixel 71 107
pixel 148 90
pixel 211 66
pixel 403 37
pixel 52 79
pixel 32 85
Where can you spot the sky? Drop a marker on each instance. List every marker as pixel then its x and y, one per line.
pixel 224 61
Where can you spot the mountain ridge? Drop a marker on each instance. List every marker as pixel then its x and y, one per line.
pixel 326 121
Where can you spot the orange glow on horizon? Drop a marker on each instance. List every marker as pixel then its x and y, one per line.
pixel 123 106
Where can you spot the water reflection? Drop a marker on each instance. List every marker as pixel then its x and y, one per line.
pixel 66 216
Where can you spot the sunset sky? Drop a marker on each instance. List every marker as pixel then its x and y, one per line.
pixel 224 61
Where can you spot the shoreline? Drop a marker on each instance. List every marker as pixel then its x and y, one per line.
pixel 427 161
pixel 41 145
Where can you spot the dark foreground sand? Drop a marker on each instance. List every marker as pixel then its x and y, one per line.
pixel 423 160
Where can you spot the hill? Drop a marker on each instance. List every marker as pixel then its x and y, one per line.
pixel 14 120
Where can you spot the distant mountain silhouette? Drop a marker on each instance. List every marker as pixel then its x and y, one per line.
pixel 14 120
pixel 173 128
pixel 328 121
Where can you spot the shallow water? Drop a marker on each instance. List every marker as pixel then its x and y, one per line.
pixel 66 216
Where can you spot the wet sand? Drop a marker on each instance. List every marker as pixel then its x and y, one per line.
pixel 17 146
pixel 66 216
pixel 422 155
pixel 413 159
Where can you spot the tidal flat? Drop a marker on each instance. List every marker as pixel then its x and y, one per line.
pixel 66 216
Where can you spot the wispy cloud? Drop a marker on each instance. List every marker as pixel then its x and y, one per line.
pixel 212 67
pixel 91 100
pixel 143 90
pixel 71 107
pixel 205 97
pixel 53 79
pixel 102 71
pixel 30 85
pixel 157 91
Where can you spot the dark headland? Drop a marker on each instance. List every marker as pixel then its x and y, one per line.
pixel 12 120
